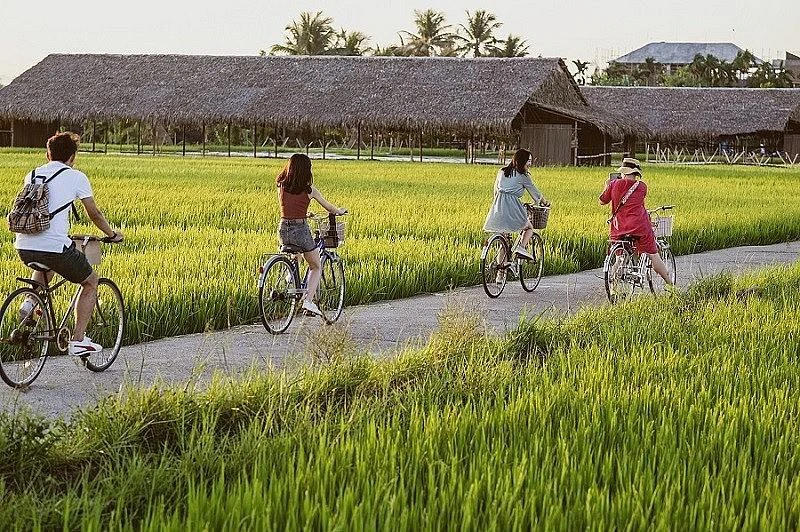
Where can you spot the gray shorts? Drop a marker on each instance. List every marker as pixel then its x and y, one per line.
pixel 296 233
pixel 71 264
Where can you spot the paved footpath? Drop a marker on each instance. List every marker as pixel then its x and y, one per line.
pixel 64 386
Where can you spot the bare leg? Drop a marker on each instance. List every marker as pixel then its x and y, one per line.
pixel 83 310
pixel 527 233
pixel 659 267
pixel 314 273
pixel 39 277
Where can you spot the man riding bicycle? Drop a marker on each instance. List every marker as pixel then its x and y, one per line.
pixel 53 248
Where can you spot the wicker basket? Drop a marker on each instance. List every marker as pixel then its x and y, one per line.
pixel 662 226
pixel 538 215
pixel 333 236
pixel 90 248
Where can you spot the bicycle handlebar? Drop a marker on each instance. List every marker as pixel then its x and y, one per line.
pixel 94 238
pixel 662 208
pixel 315 216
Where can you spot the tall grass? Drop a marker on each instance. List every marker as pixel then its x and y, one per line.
pixel 197 228
pixel 670 413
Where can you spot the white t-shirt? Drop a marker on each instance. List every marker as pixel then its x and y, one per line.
pixel 64 189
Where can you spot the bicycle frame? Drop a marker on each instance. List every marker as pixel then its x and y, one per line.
pixel 46 291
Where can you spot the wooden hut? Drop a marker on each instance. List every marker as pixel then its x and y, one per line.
pixel 745 117
pixel 534 98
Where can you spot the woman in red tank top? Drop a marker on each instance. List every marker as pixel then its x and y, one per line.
pixel 632 218
pixel 295 192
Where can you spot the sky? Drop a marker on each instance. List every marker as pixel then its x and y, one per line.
pixel 594 31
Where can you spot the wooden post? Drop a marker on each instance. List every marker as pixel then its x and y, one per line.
pixel 12 132
pixel 204 140
pixel 276 140
pixel 94 129
pixel 183 139
pixel 105 137
pixel 575 144
pixel 255 139
pixel 138 137
pixel 420 144
pixel 154 138
pixel 411 146
pixel 324 146
pixel 372 145
pixel 466 150
pixel 358 141
pixel 229 138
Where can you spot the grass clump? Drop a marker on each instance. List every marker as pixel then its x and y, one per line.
pixel 664 413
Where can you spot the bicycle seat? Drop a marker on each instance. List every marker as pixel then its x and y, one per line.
pixel 288 248
pixel 628 238
pixel 38 266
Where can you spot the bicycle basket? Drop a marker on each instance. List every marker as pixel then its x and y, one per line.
pixel 538 215
pixel 332 234
pixel 662 226
pixel 91 249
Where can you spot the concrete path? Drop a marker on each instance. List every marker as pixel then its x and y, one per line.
pixel 64 386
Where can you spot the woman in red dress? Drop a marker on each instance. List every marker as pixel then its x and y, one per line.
pixel 632 219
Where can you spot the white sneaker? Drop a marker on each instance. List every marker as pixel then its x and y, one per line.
pixel 522 252
pixel 311 307
pixel 83 348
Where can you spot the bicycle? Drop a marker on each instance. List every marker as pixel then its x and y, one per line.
pixel 27 337
pixel 625 270
pixel 280 287
pixel 497 261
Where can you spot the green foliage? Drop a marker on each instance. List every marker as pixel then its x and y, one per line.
pixel 676 412
pixel 197 228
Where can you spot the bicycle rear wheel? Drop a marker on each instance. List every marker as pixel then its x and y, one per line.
pixel 277 294
pixel 495 258
pixel 106 325
pixel 530 271
pixel 655 281
pixel 616 269
pixel 331 288
pixel 25 331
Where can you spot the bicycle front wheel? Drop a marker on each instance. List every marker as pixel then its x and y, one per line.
pixel 277 294
pixel 495 258
pixel 331 288
pixel 106 325
pixel 25 334
pixel 616 269
pixel 657 284
pixel 530 270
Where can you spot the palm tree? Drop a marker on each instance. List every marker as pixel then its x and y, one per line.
pixel 478 33
pixel 350 43
pixel 743 63
pixel 652 72
pixel 512 46
pixel 311 34
pixel 433 34
pixel 580 75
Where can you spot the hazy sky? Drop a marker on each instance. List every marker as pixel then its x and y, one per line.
pixel 589 30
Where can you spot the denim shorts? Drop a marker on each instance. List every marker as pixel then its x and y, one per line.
pixel 296 233
pixel 71 264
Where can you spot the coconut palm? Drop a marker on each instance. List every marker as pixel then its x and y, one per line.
pixel 478 33
pixel 580 75
pixel 651 72
pixel 512 46
pixel 432 34
pixel 350 43
pixel 311 34
pixel 743 63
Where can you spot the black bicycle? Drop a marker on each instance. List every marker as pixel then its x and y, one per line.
pixel 29 331
pixel 498 261
pixel 280 286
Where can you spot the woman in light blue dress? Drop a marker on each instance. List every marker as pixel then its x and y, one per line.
pixel 508 214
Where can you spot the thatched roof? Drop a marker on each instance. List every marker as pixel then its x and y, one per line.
pixel 395 92
pixel 698 113
pixel 681 53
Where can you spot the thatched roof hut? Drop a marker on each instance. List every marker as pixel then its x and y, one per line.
pixel 380 92
pixel 679 113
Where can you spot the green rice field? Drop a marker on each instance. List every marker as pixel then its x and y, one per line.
pixel 197 228
pixel 657 414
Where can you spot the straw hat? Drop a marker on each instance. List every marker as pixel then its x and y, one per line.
pixel 625 170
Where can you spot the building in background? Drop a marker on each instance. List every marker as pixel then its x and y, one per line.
pixel 673 55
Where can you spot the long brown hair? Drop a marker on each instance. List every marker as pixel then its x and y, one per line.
pixel 296 177
pixel 518 162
